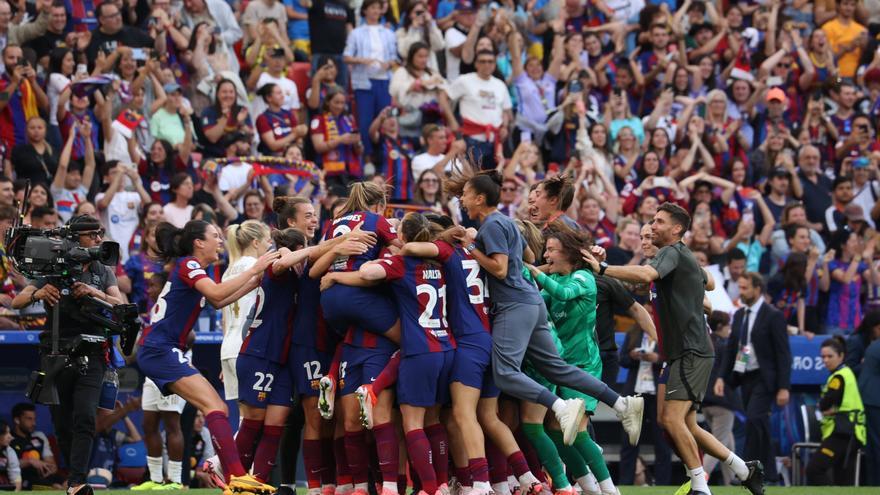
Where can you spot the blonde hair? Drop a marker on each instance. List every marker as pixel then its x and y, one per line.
pixel 532 235
pixel 240 236
pixel 362 196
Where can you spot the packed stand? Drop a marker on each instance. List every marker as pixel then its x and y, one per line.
pixel 757 119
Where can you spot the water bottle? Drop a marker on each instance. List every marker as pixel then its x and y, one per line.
pixel 109 390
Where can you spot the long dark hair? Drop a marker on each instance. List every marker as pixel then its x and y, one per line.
pixel 212 47
pixel 871 320
pixel 170 155
pixel 235 106
pixel 485 182
pixel 172 242
pixel 793 272
pixel 411 54
pixel 56 60
pixel 407 22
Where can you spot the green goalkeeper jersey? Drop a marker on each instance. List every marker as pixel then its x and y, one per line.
pixel 571 304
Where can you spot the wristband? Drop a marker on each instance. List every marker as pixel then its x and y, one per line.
pixel 34 297
pixel 470 247
pixel 602 267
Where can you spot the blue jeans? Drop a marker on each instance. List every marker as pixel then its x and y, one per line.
pixel 370 102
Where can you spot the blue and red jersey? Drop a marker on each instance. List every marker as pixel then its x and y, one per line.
pixel 175 313
pixel 80 15
pixel 280 124
pixel 394 160
pixel 309 327
pixel 466 296
pixel 844 300
pixel 271 328
pixel 419 288
pixel 370 222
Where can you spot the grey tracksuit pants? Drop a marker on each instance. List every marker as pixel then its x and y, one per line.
pixel 520 330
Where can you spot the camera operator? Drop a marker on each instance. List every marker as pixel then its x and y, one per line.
pixel 78 384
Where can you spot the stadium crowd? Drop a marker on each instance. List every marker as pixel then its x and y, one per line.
pixel 331 129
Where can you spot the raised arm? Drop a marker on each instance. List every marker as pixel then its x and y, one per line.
pixel 219 294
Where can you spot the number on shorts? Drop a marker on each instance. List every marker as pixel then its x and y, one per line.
pixel 426 319
pixel 180 356
pixel 261 377
pixel 472 273
pixel 342 366
pixel 313 370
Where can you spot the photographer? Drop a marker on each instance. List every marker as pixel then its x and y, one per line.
pixel 79 387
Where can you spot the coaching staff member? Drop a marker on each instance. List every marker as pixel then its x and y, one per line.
pixel 758 360
pixel 680 284
pixel 74 416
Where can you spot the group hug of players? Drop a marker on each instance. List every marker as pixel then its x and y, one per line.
pixel 382 327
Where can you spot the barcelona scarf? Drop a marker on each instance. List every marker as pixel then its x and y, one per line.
pixel 342 158
pixel 399 211
pixel 266 165
pixel 21 110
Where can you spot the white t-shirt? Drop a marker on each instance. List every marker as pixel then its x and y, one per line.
pixel 864 197
pixel 426 161
pixel 480 100
pixel 291 94
pixel 57 83
pixel 121 219
pixel 454 38
pixel 233 177
pixel 235 314
pixel 177 216
pixel 67 200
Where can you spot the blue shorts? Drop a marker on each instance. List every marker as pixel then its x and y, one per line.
pixel 371 309
pixel 262 383
pixel 164 365
pixel 360 366
pixel 472 365
pixel 423 380
pixel 307 366
pixel 664 374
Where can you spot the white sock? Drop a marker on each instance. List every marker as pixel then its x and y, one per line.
pixel 174 469
pixel 738 466
pixel 558 406
pixel 607 486
pixel 620 404
pixel 501 488
pixel 314 491
pixel 698 480
pixel 390 485
pixel 527 480
pixel 292 486
pixel 344 488
pixel 362 486
pixel 482 486
pixel 589 484
pixel 154 464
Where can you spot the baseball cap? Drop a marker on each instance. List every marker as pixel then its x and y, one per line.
pixel 776 94
pixel 171 87
pixel 854 213
pixel 464 5
pixel 276 51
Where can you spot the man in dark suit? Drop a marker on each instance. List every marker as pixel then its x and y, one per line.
pixel 757 359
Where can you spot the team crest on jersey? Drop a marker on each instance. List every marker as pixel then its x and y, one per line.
pixel 315 383
pixel 261 396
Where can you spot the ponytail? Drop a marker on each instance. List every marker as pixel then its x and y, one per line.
pixel 362 196
pixel 289 238
pixel 240 236
pixel 485 182
pixel 415 227
pixel 172 242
